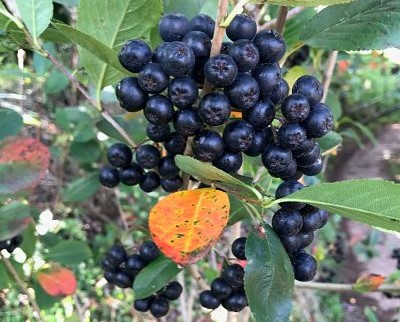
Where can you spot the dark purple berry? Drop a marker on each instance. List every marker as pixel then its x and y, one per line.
pixel 199 42
pixel 167 167
pixel 243 93
pixel 109 176
pixel 159 110
pixel 214 109
pixel 148 156
pixel 173 27
pixel 158 132
pixel 149 251
pixel 203 23
pixel 131 175
pixel 310 87
pixel 172 291
pixel 287 223
pixel 260 115
pixel 236 302
pixel 159 307
pixel 178 59
pixel 229 161
pixel 291 135
pixel 238 136
pixel 304 266
pixel 187 122
pixel 152 79
pixel 150 181
pixel 220 70
pixel 319 122
pixel 134 55
pixel 238 248
pixel 234 275
pixel 295 108
pixel 134 264
pixel 183 92
pixel 119 155
pixel 285 189
pixel 123 280
pixel 241 27
pixel 245 54
pixel 171 185
pixel 271 45
pixel 175 143
pixel 208 300
pixel 207 146
pixel 129 94
pixel 143 305
pixel 276 158
pixel 312 169
pixel 268 77
pixel 220 288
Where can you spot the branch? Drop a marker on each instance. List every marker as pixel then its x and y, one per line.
pixel 280 21
pixel 198 278
pixel 290 14
pixel 340 287
pixel 327 79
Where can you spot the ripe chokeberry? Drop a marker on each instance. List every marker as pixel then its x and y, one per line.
pixel 172 291
pixel 291 135
pixel 187 122
pixel 178 59
pixel 167 167
pixel 214 109
pixel 150 181
pixel 241 27
pixel 260 141
pixel 287 222
pixel 171 185
pixel 159 307
pixel 129 94
pixel 108 264
pixel 207 146
pixel 295 108
pixel 276 158
pixel 238 248
pixel 134 263
pixel 109 276
pixel 134 55
pixel 147 156
pixel 152 79
pixel 236 302
pixel 310 87
pixel 306 238
pixel 245 54
pixel 319 121
pixel 131 175
pixel 304 266
pixel 209 300
pixel 158 110
pixel 199 42
pixel 119 155
pixel 123 280
pixel 159 52
pixel 183 92
pixel 203 23
pixel 279 94
pixel 268 77
pixel 271 45
pixel 175 143
pixel 305 148
pixel 291 243
pixel 234 275
pixel 260 115
pixel 229 161
pixel 116 254
pixel 220 70
pixel 143 305
pixel 109 176
pixel 312 169
pixel 286 188
pixel 158 132
pixel 220 288
pixel 310 157
pixel 149 251
pixel 238 136
pixel 173 27
pixel 244 92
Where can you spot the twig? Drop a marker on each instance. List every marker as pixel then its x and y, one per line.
pixel 120 211
pixel 20 282
pixel 120 130
pixel 183 297
pixel 280 21
pixel 330 67
pixel 291 13
pixel 198 278
pixel 340 287
pixel 218 37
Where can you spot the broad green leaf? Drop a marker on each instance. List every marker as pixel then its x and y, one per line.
pixel 268 278
pixel 330 141
pixel 36 15
pixel 81 189
pixel 68 3
pixel 29 240
pixel 240 210
pixel 209 173
pixel 155 276
pixel 55 82
pixel 310 3
pixel 370 201
pixel 10 123
pixel 113 22
pixel 362 24
pixel 334 103
pixel 14 218
pixel 44 300
pixel 85 151
pixel 69 252
pixel 17 176
pixel 189 8
pixel 5 279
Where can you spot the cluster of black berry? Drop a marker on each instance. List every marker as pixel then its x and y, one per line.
pixel 295 224
pixel 228 289
pixel 120 268
pixel 123 169
pixel 396 256
pixel 11 244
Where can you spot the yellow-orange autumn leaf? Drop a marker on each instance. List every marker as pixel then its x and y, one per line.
pixel 59 281
pixel 186 224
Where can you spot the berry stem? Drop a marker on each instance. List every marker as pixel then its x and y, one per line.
pixel 341 287
pixel 280 21
pixel 269 24
pixel 327 79
pixel 194 271
pixel 238 9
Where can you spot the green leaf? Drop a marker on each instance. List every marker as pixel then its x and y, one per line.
pixel 113 22
pixel 310 3
pixel 209 173
pixel 69 252
pixel 29 240
pixel 5 279
pixel 189 8
pixel 14 218
pixel 334 103
pixel 44 300
pixel 330 141
pixel 362 24
pixel 55 82
pixel 17 176
pixel 10 123
pixel 241 210
pixel 85 151
pixel 268 278
pixel 81 189
pixel 370 201
pixel 36 15
pixel 155 276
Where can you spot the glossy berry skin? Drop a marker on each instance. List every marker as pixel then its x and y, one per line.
pixel 158 132
pixel 276 158
pixel 183 92
pixel 220 70
pixel 167 167
pixel 197 74
pixel 109 276
pixel 149 251
pixel 243 93
pixel 306 238
pixel 143 305
pixel 288 173
pixel 238 136
pixel 313 218
pixel 312 169
pixel 277 96
pixel 148 156
pixel 159 52
pixel 295 108
pixel 131 175
pixel 324 215
pixel 229 161
pixel 203 23
pixel 150 181
pixel 319 122
pixel 260 141
pixel 134 264
pixel 159 307
pixel 172 291
pixel 268 77
pixel 225 47
pixel 310 157
pixel 116 254
pixel 271 45
pixel 119 155
pixel 178 59
pixel 291 135
pixel 134 55
pixel 175 143
pixel 207 146
pixel 152 79
pixel 260 115
pixel 285 189
pixel 295 176
pixel 171 185
pixel 173 27
pixel 236 302
pixel 159 110
pixel 291 243
pixel 233 275
pixel 220 288
pixel 310 87
pixel 199 42
pixel 304 267
pixel 109 176
pixel 238 248
pixel 305 148
pixel 108 265
pixel 245 54
pixel 123 280
pixel 214 109
pixel 287 223
pixel 187 122
pixel 129 94
pixel 241 27
pixel 208 300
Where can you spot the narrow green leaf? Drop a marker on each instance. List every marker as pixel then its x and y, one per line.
pixel 370 201
pixel 29 240
pixel 155 276
pixel 362 24
pixel 36 15
pixel 209 173
pixel 241 210
pixel 17 176
pixel 14 218
pixel 81 189
pixel 330 141
pixel 310 3
pixel 268 278
pixel 10 123
pixel 69 252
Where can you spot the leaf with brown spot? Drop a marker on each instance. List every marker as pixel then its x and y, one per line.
pixel 58 281
pixel 186 224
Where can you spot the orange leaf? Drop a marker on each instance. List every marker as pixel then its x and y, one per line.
pixel 186 224
pixel 58 282
pixel 368 282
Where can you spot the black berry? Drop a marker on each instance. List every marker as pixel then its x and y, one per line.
pixel 268 77
pixel 214 109
pixel 236 302
pixel 119 155
pixel 295 108
pixel 183 91
pixel 304 266
pixel 148 156
pixel 173 27
pixel 229 161
pixel 152 79
pixel 159 307
pixel 238 136
pixel 172 291
pixel 134 263
pixel 129 94
pixel 187 122
pixel 158 110
pixel 238 248
pixel 175 143
pixel 109 176
pixel 208 300
pixel 243 93
pixel 319 122
pixel 241 27
pixel 276 158
pixel 143 305
pixel 131 175
pixel 150 181
pixel 220 288
pixel 171 185
pixel 149 251
pixel 134 55
pixel 178 59
pixel 310 87
pixel 234 275
pixel 286 188
pixel 260 115
pixel 220 70
pixel 271 45
pixel 245 54
pixel 291 135
pixel 158 132
pixel 207 146
pixel 199 42
pixel 123 280
pixel 287 223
